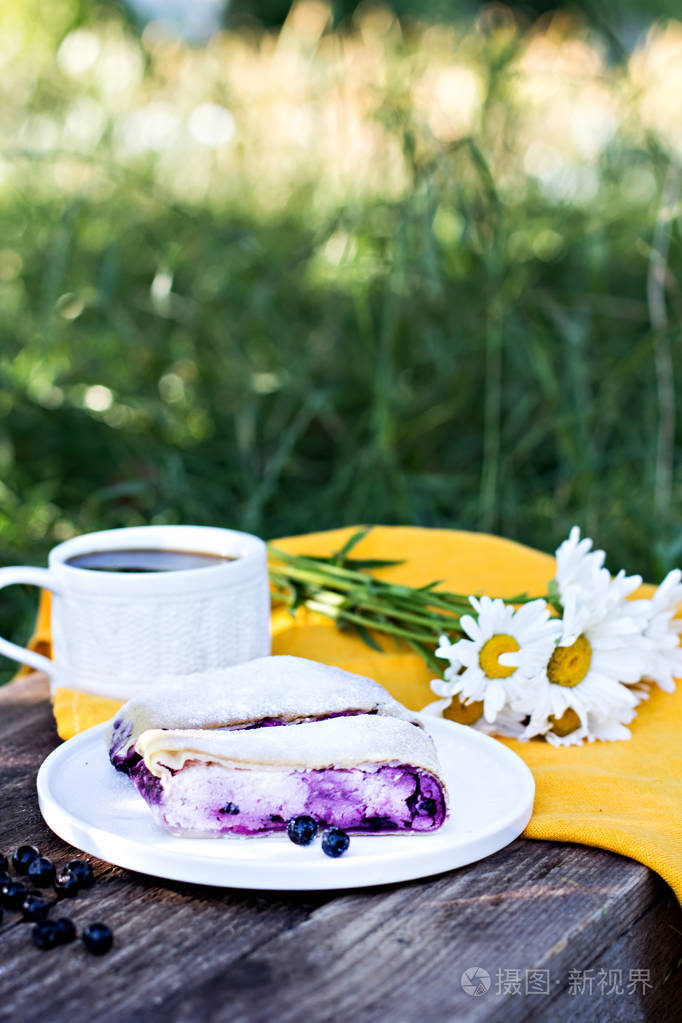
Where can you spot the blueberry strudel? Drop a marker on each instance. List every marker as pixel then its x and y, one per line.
pixel 250 748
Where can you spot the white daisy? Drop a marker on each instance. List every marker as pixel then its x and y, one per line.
pixel 661 631
pixel 581 693
pixel 605 728
pixel 577 565
pixel 587 591
pixel 506 648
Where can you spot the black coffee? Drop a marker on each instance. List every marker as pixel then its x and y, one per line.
pixel 146 561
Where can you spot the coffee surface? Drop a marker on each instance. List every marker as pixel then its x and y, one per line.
pixel 150 560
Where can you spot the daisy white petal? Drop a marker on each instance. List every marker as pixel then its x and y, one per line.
pixel 577 564
pixel 436 708
pixel 507 724
pixel 443 687
pixel 469 625
pixel 494 700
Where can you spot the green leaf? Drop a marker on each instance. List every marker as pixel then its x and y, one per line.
pixel 300 596
pixel 338 556
pixel 355 564
pixel 361 564
pixel 427 656
pixel 368 638
pixel 553 595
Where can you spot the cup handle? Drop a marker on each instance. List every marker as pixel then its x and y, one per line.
pixel 37 577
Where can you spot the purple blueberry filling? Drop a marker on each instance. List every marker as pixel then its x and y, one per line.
pixel 387 798
pixel 146 783
pixel 122 759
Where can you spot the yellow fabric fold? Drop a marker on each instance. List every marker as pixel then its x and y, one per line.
pixel 622 796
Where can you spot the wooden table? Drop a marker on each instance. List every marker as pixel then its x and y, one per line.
pixel 545 920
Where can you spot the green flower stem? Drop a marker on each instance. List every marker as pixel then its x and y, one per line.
pixel 312 570
pixel 359 600
pixel 337 613
pixel 304 569
pixel 351 597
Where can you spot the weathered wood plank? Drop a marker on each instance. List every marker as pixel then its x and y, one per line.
pixel 399 954
pixel 190 953
pixel 637 978
pixel 161 930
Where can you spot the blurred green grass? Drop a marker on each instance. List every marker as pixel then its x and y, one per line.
pixel 430 332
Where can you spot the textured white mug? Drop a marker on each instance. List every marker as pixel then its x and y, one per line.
pixel 113 633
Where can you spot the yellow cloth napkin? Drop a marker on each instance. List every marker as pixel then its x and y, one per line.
pixel 622 796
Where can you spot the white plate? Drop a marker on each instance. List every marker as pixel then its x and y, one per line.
pixel 96 809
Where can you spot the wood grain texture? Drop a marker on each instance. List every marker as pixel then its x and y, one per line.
pixel 191 953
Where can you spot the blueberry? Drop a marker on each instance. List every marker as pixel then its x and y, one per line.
pixel 230 808
pixel 302 830
pixel 66 931
pixel 82 871
pixel 35 909
pixel 45 935
pixel 24 855
pixel 13 894
pixel 4 878
pixel 335 842
pixel 4 863
pixel 41 871
pixel 98 939
pixel 428 806
pixel 66 885
pixel 379 824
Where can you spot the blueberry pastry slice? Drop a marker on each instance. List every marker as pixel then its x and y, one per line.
pixel 367 773
pixel 262 693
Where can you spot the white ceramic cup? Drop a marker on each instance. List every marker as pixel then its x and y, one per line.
pixel 113 633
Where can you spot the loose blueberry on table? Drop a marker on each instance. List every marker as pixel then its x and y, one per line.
pixel 34 908
pixel 98 939
pixel 66 885
pixel 41 871
pixel 82 871
pixel 335 842
pixel 13 894
pixel 66 930
pixel 23 856
pixel 45 935
pixel 302 830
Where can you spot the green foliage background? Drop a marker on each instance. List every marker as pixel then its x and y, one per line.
pixel 478 356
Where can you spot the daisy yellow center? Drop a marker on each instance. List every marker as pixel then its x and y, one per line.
pixel 567 723
pixel 568 665
pixel 489 655
pixel 464 713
